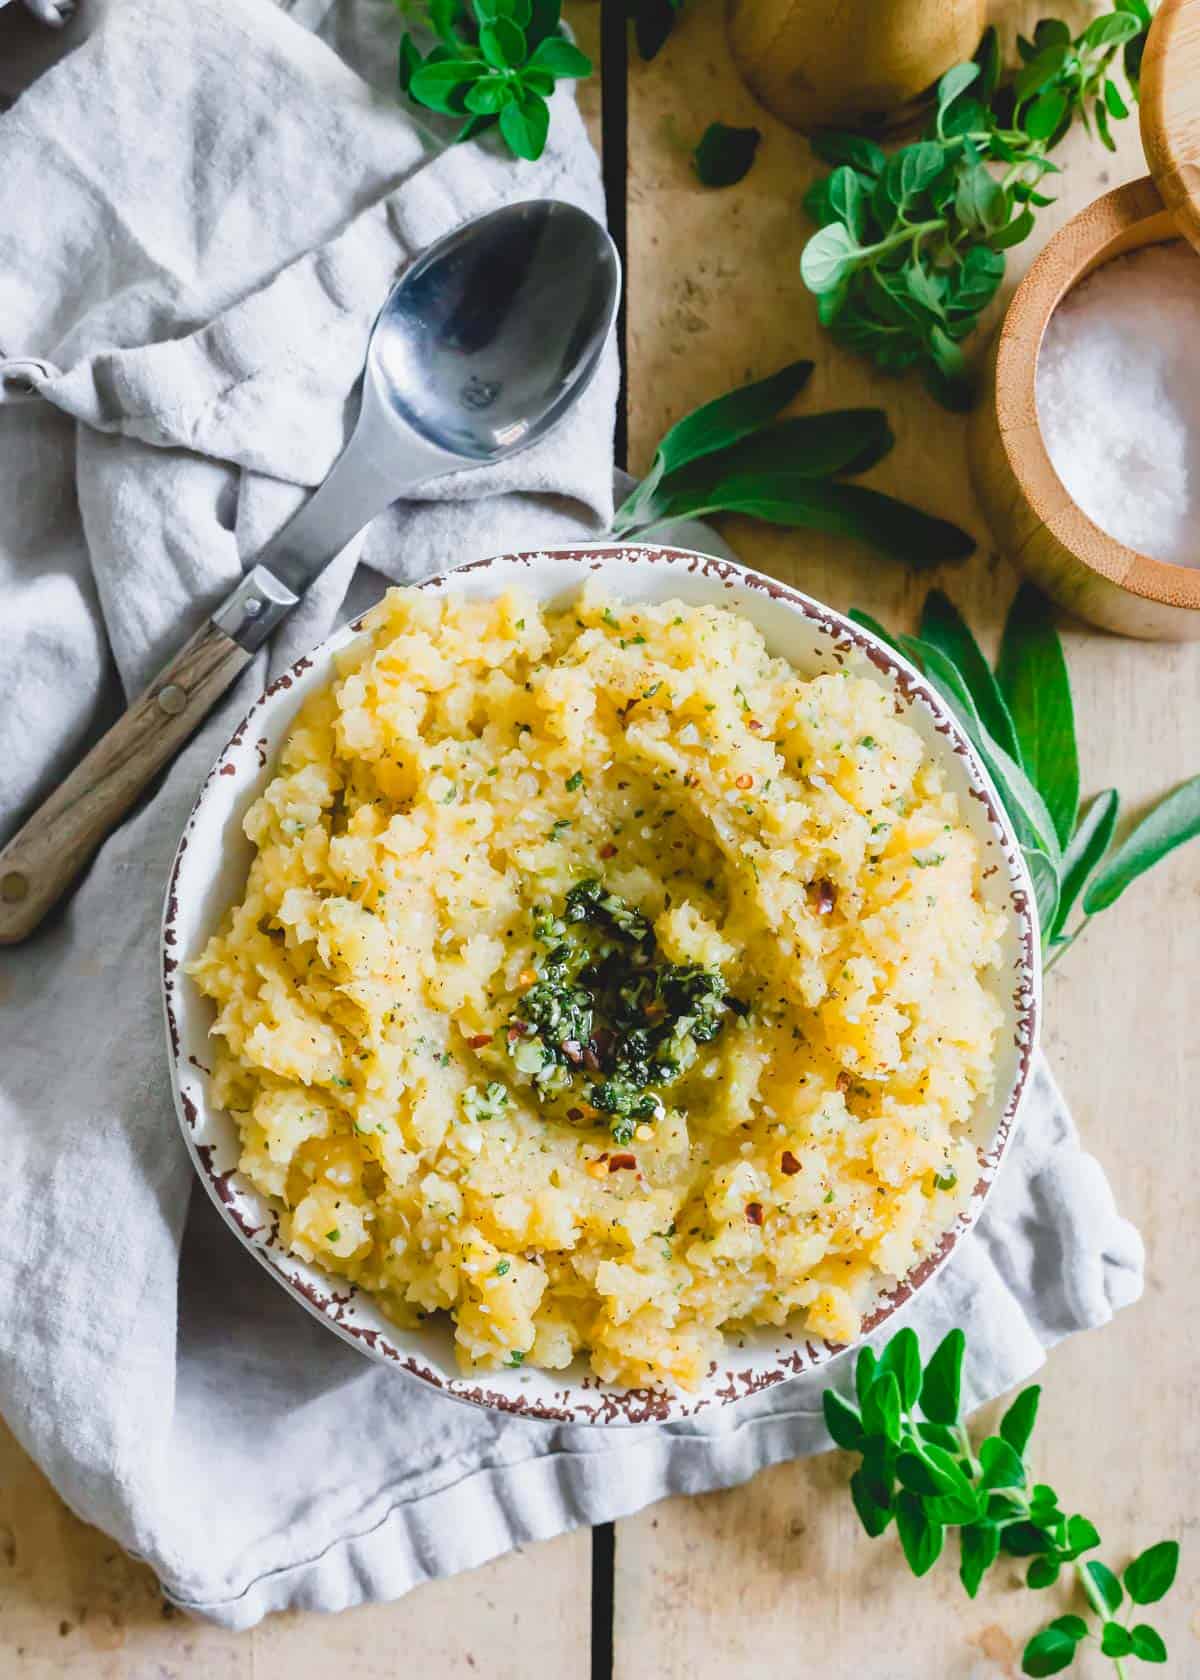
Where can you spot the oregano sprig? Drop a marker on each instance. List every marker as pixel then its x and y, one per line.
pixel 495 62
pixel 920 1468
pixel 1021 720
pixel 911 246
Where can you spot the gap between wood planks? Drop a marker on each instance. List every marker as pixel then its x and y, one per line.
pixel 614 67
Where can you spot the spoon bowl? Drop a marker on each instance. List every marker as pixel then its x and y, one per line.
pixel 481 346
pixel 484 342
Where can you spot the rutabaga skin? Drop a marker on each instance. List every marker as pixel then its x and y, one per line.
pixel 1118 395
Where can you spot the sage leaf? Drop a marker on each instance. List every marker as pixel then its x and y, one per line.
pixel 1148 1644
pixel 724 155
pixel 920 1538
pixel 857 616
pixel 979 1547
pixel 1032 674
pixel 944 627
pixel 1172 821
pixel 941 1384
pixel 1152 1572
pixel 1016 1426
pixel 1088 845
pixel 1048 1652
pixel 1024 804
pixel 723 421
pixel 848 440
pixel 846 510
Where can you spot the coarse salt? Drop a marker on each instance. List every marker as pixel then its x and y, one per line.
pixel 1118 397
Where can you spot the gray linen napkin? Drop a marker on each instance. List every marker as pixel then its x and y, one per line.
pixel 199 212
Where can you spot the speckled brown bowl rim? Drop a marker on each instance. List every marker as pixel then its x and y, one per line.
pixel 585 1399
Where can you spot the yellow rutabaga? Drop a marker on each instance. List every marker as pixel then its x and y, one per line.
pixel 471 763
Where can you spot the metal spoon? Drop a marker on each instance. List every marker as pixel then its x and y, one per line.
pixel 481 347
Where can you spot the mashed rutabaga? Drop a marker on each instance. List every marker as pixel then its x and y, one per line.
pixel 605 984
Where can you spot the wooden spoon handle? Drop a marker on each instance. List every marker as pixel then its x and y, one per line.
pixel 44 858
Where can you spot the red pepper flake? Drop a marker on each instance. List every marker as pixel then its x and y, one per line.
pixel 823 894
pixel 620 1163
pixel 753 723
pixel 608 851
pixel 754 1213
pixel 518 1029
pixel 843 1081
pixel 574 1114
pixel 479 1040
pixel 743 782
pixel 788 1163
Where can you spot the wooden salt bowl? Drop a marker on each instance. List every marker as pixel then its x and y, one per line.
pixel 1031 516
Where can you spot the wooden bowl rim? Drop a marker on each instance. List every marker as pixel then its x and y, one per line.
pixel 1075 251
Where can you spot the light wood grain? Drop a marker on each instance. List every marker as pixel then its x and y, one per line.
pixel 776 1577
pixel 822 62
pixel 55 845
pixel 1170 110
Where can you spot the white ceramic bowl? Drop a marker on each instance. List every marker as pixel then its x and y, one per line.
pixel 210 871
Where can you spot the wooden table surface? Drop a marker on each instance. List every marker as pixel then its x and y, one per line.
pixel 776 1575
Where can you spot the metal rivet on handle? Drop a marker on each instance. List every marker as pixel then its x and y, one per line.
pixel 172 699
pixel 14 886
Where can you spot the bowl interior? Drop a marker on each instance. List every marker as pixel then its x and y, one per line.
pixel 210 872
